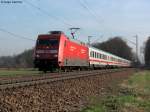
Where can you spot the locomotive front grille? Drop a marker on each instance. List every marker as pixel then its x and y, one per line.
pixel 46 62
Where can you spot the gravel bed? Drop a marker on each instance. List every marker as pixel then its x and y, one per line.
pixel 61 96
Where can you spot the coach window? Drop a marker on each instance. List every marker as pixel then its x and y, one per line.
pixel 96 55
pixel 91 54
pixel 100 56
pixel 104 57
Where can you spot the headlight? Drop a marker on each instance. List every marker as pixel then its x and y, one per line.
pixel 55 55
pixel 37 56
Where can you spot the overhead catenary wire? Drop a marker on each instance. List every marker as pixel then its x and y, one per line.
pixel 96 40
pixel 129 41
pixel 84 4
pixel 46 13
pixel 91 12
pixel 16 35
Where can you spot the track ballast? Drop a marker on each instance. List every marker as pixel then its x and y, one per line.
pixel 53 77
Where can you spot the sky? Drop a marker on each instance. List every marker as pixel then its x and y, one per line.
pixel 101 19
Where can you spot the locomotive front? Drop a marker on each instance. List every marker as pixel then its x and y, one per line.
pixel 46 51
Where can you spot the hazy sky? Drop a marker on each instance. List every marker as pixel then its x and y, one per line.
pixel 98 18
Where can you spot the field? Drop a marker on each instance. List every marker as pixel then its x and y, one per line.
pixel 18 72
pixel 71 95
pixel 133 95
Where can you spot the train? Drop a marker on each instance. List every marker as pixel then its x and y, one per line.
pixel 55 50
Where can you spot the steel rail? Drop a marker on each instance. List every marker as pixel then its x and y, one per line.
pixel 8 84
pixel 41 76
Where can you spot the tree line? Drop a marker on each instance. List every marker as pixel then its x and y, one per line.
pixel 116 46
pixel 23 60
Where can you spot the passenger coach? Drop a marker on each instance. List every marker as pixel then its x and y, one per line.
pixel 100 58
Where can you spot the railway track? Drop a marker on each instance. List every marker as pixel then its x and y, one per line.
pixel 52 77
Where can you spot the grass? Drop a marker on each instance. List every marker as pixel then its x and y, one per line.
pixel 94 108
pixel 133 96
pixel 16 72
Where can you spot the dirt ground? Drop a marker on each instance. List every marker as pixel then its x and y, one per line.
pixel 61 96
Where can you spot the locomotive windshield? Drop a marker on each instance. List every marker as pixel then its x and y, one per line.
pixel 51 42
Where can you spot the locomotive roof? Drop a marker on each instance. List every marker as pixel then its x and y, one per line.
pixel 77 41
pixel 62 33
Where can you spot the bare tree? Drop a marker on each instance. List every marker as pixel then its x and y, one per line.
pixel 147 52
pixel 116 46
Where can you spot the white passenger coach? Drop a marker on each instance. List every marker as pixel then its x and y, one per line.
pixel 100 58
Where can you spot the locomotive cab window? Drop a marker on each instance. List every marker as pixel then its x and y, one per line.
pixel 46 42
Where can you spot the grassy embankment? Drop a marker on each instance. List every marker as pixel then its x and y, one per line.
pixel 133 95
pixel 17 72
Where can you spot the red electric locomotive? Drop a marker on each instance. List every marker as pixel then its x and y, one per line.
pixel 56 50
